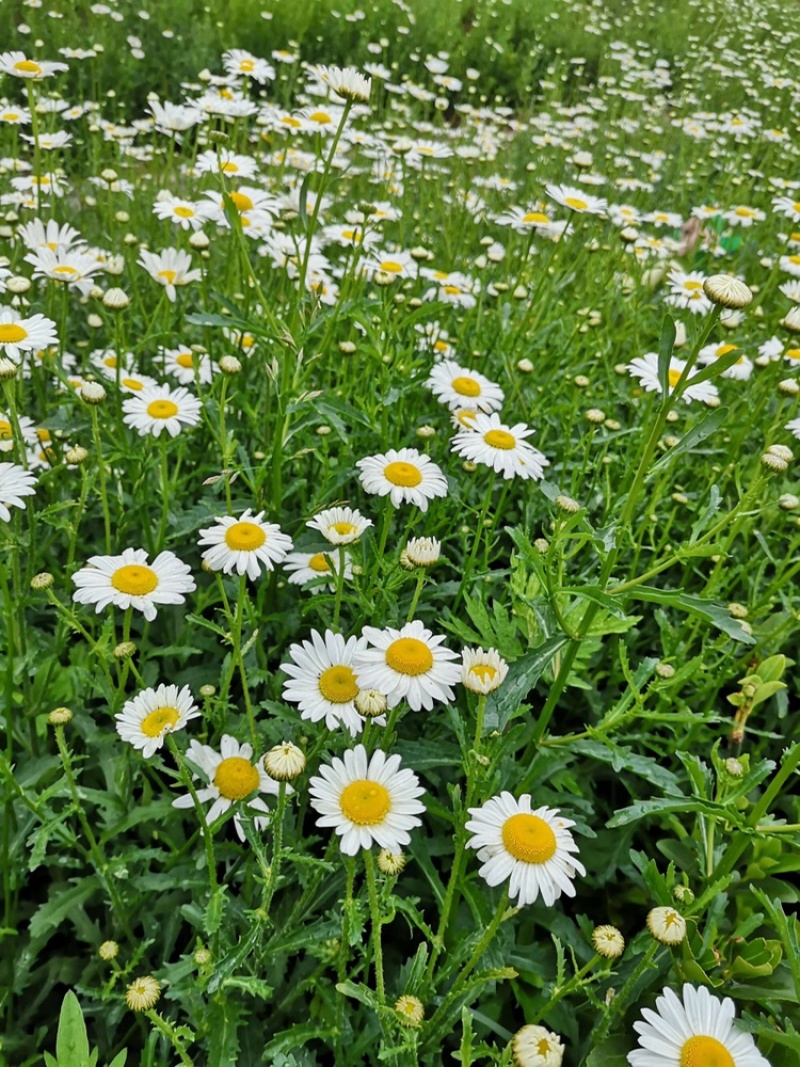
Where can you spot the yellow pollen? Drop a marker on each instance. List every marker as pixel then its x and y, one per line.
pixel 226 94
pixel 162 409
pixel 319 563
pixel 576 204
pixel 344 529
pixel 723 350
pixel 64 269
pixel 338 684
pixel 692 285
pixel 27 66
pixel 289 120
pixel 795 259
pixel 160 721
pixel 409 655
pixel 242 201
pixel 185 359
pixel 184 212
pixel 484 671
pixel 528 838
pixel 236 778
pixel 674 377
pixel 365 803
pixel 244 537
pixel 134 579
pixel 500 439
pixel 440 346
pixel 535 216
pixel 796 207
pixel 229 167
pixel 11 333
pixel 132 383
pixel 110 361
pixel 322 117
pixel 544 1047
pixel 702 1051
pixel 247 340
pixel 452 290
pixel 247 65
pixel 169 276
pixel 44 436
pixel 5 428
pixel 391 266
pixel 793 353
pixel 466 386
pixel 404 474
pixel 744 212
pixel 10 116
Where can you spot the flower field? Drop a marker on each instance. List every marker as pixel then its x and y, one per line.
pixel 399 535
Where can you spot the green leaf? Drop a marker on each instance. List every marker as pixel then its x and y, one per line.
pixel 72 1041
pixel 709 610
pixel 610 1053
pixel 521 678
pixel 757 958
pixel 119 1059
pixel 709 424
pixel 597 596
pixel 625 759
pixel 666 346
pixel 60 906
pixel 358 992
pixel 256 987
pixel 667 806
pixel 715 369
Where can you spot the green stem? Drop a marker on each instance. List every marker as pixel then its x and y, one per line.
pixel 101 473
pixel 169 1033
pixel 208 842
pixel 375 916
pixel 417 591
pixel 620 1001
pixel 567 988
pixel 277 846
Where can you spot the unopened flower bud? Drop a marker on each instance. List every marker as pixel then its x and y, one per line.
pixel 284 762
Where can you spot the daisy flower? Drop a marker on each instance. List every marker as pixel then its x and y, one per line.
pixel 188 214
pixel 535 1046
pixel 18 335
pixel 790 264
pixel 340 525
pixel 409 664
pixel 19 66
pixel 244 544
pixel 392 264
pixel 147 718
pixel 346 82
pixel 322 680
pixel 232 775
pixel 645 368
pixel 238 61
pixel 15 483
pixel 482 672
pixel 793 427
pixel 695 1030
pixel 489 441
pixel 74 267
pixel 367 801
pixel 38 234
pixel 461 389
pixel 187 365
pixel 159 407
pixel 129 581
pixel 788 207
pixel 534 849
pixel 169 268
pixel 576 199
pixel 173 118
pixel 305 567
pixel 404 475
pixel 224 161
pixel 26 429
pixel 741 369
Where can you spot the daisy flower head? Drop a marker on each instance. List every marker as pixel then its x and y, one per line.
pixel 693 1030
pixel 409 664
pixel 147 718
pixel 169 268
pixel 223 161
pixel 322 680
pixel 463 389
pixel 18 65
pixel 404 475
pixel 18 334
pixel 367 801
pixel 686 291
pixel 307 567
pixel 74 267
pixel 492 443
pixel 534 850
pixel 232 775
pixel 645 368
pixel 187 365
pixel 788 207
pixel 188 214
pixel 340 525
pixel 346 82
pixel 576 200
pixel 244 544
pixel 741 369
pixel 160 407
pixel 237 61
pixel 129 581
pixel 482 672
pixel 15 483
pixel 536 1046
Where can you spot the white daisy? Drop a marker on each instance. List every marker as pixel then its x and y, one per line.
pixel 306 567
pixel 339 525
pixel 19 66
pixel 232 775
pixel 18 334
pixel 322 681
pixel 535 1046
pixel 169 268
pixel 409 664
pixel 686 291
pixel 741 369
pixel 188 214
pixel 463 389
pixel 129 581
pixel 15 483
pixel 346 82
pixel 159 407
pixel 223 161
pixel 791 264
pixel 696 1030
pixel 404 475
pixel 367 801
pixel 26 429
pixel 645 368
pixel 793 427
pixel 74 267
pixel 238 61
pixel 147 718
pixel 533 849
pixel 244 544
pixel 188 366
pixel 489 441
pixel 482 672
pixel 576 199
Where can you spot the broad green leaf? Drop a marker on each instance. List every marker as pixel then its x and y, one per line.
pixel 668 806
pixel 61 904
pixel 708 425
pixel 72 1041
pixel 666 346
pixel 521 678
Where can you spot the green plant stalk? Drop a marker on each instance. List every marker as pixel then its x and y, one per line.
pixel 417 591
pixel 479 532
pixel 169 1033
pixel 277 847
pixel 208 843
pixel 20 452
pixel 569 987
pixel 344 946
pixel 376 922
pixel 337 607
pixel 101 474
pixel 620 1001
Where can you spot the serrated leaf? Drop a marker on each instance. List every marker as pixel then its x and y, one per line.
pixel 714 613
pixel 625 759
pixel 667 806
pixel 363 994
pixel 256 987
pixel 60 905
pixel 521 678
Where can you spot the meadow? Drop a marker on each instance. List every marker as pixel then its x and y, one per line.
pixel 399 534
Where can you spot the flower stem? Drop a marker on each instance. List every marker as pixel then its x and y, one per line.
pixel 375 915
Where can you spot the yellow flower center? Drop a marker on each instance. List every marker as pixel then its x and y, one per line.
pixel 27 66
pixel 10 116
pixel 484 671
pixel 5 428
pixel 391 266
pixel 500 439
pixel 184 212
pixel 365 803
pixel 535 216
pixel 796 207
pixel 344 529
pixel 132 383
pixel 692 286
pixel 723 350
pixel 319 563
pixel 229 167
pixel 744 212
pixel 160 721
pixel 290 120
pixel 134 579
pixel 242 201
pixel 322 117
pixel 338 684
pixel 451 290
pixel 466 386
pixel 529 838
pixel 404 474
pixel 674 377
pixel 575 203
pixel 185 359
pixel 247 65
pixel 409 655
pixel 544 1047
pixel 44 436
pixel 236 778
pixel 702 1051
pixel 793 353
pixel 244 537
pixel 12 333
pixel 162 409
pixel 795 259
pixel 110 361
pixel 169 276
